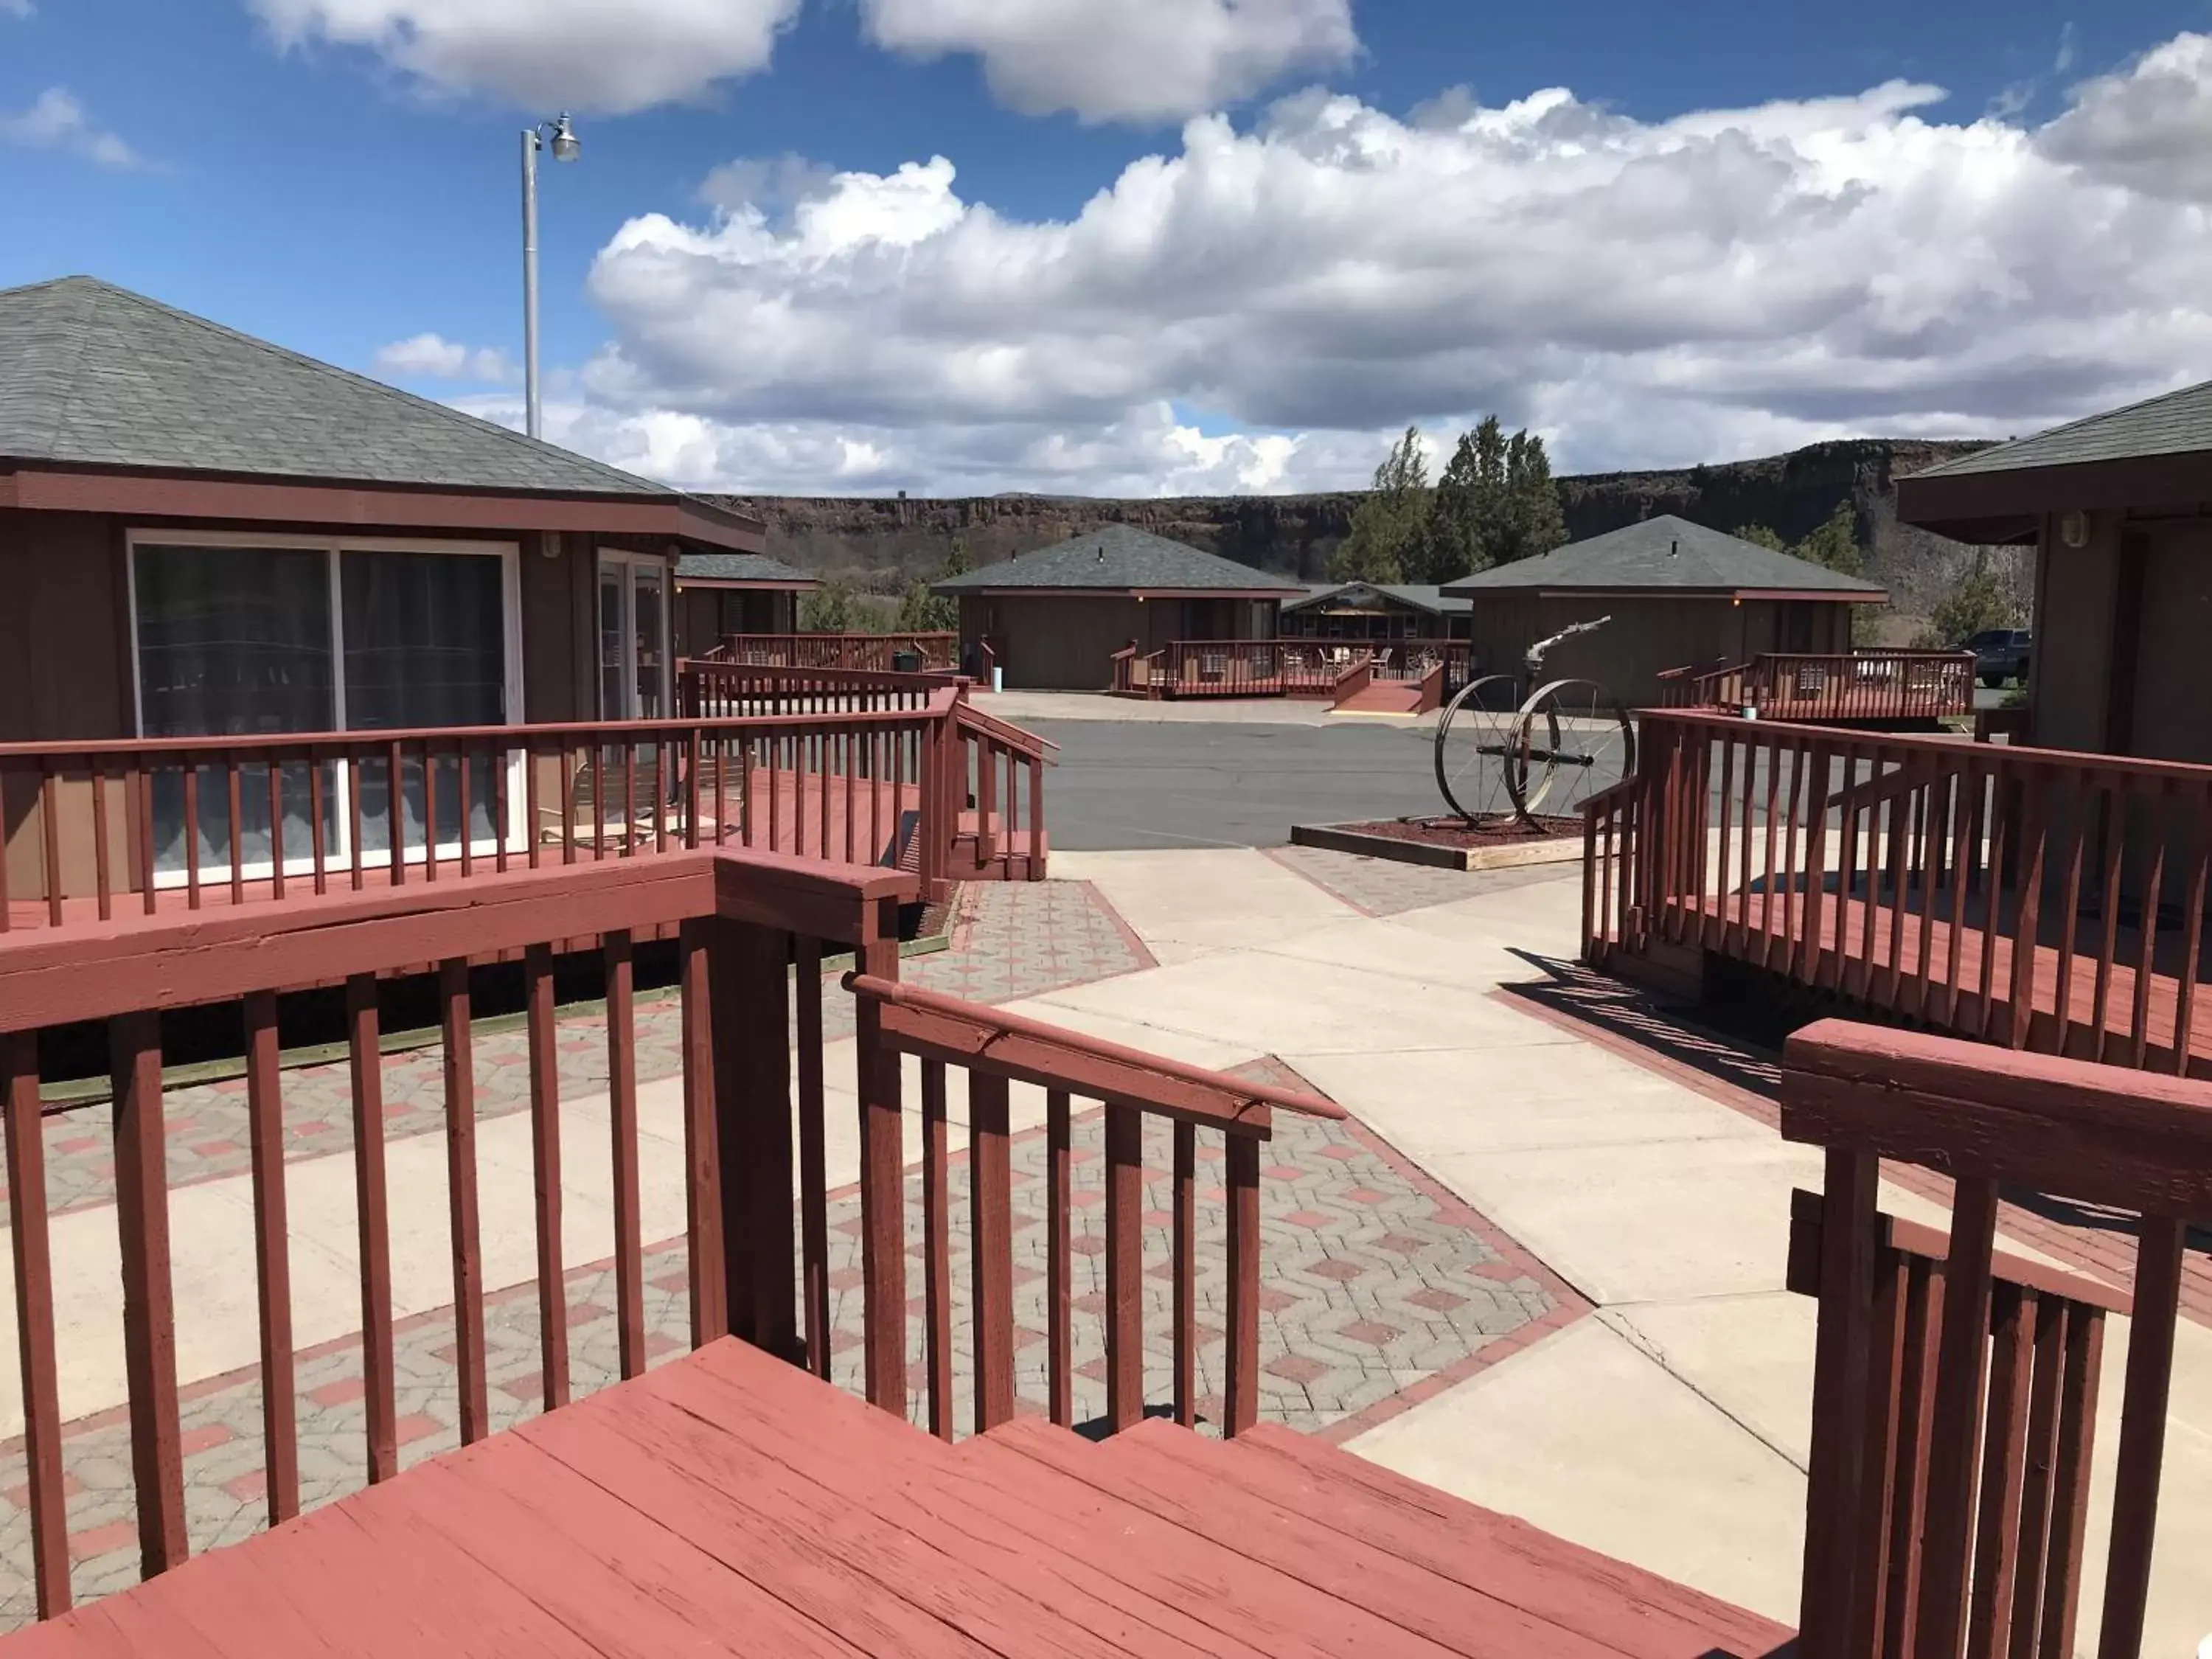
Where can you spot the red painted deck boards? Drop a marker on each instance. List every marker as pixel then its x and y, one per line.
pixel 729 1503
pixel 1743 924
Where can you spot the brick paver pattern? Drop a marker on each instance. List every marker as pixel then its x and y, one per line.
pixel 1007 941
pixel 1374 1282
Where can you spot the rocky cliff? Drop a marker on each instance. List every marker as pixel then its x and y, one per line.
pixel 882 543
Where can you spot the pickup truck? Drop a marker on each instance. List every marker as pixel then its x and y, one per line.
pixel 2002 654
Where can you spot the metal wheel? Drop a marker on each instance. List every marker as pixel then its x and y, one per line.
pixel 1476 739
pixel 1572 740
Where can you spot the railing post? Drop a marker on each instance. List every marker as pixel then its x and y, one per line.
pixel 150 1325
pixel 749 994
pixel 1842 1350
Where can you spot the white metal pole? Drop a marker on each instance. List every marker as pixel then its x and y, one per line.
pixel 533 417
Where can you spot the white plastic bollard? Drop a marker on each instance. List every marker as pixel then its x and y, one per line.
pixel 998 678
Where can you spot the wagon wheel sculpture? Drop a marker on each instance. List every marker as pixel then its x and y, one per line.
pixel 1502 759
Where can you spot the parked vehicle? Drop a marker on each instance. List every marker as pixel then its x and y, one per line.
pixel 2002 654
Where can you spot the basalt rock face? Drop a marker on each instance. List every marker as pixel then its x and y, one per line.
pixel 882 544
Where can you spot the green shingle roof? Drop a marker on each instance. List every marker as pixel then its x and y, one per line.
pixel 2175 423
pixel 1421 596
pixel 1665 552
pixel 738 568
pixel 1118 557
pixel 94 374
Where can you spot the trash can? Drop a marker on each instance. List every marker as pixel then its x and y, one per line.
pixel 906 662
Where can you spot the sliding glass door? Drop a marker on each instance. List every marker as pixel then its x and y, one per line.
pixel 245 636
pixel 634 664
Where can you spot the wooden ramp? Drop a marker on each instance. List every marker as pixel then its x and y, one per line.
pixel 727 1503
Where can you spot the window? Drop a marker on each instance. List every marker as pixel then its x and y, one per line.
pixel 250 636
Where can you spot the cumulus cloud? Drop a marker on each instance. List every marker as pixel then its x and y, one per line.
pixel 15 8
pixel 56 120
pixel 1645 292
pixel 433 357
pixel 548 54
pixel 2147 126
pixel 1130 60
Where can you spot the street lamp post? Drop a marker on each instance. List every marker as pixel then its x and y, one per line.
pixel 566 148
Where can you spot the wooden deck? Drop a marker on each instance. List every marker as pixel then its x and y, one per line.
pixel 1961 978
pixel 727 1503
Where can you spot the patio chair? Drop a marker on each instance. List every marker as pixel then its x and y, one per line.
pixel 632 814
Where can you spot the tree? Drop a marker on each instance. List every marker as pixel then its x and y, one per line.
pixel 1976 601
pixel 1533 521
pixel 830 609
pixel 1467 516
pixel 1389 528
pixel 1761 536
pixel 1835 544
pixel 922 612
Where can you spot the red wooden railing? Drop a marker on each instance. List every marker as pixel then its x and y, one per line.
pixel 152 824
pixel 2046 1352
pixel 873 651
pixel 754 928
pixel 1249 668
pixel 2040 898
pixel 1131 673
pixel 1962 1528
pixel 708 689
pixel 996 1049
pixel 1003 767
pixel 1415 660
pixel 1829 687
pixel 1352 678
pixel 745 919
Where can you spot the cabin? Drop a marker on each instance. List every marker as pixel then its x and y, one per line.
pixel 2114 506
pixel 1053 619
pixel 1675 594
pixel 721 594
pixel 1376 613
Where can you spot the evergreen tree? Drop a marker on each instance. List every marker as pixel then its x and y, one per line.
pixel 1533 521
pixel 1466 521
pixel 922 612
pixel 1389 528
pixel 1835 544
pixel 1762 536
pixel 1976 601
pixel 830 609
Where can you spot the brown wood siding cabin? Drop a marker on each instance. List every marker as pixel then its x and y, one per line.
pixel 719 594
pixel 1055 616
pixel 2115 507
pixel 201 533
pixel 1679 594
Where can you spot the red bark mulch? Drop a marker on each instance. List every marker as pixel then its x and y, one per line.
pixel 1458 832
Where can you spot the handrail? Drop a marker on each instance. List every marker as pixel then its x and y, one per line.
pixel 846 651
pixel 995 1049
pixel 1017 738
pixel 2077 1131
pixel 1808 686
pixel 1034 1051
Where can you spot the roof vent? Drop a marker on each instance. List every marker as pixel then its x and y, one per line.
pixel 1674 548
pixel 1101 552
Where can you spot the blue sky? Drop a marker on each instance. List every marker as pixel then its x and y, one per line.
pixel 340 197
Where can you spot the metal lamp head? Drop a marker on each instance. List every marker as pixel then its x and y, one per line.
pixel 566 146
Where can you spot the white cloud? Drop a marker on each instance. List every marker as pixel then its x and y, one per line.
pixel 2147 126
pixel 16 8
pixel 543 55
pixel 1109 60
pixel 433 357
pixel 56 120
pixel 1726 282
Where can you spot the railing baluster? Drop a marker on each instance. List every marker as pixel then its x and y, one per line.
pixel 395 811
pixel 2115 824
pixel 1125 1267
pixel 2027 912
pixel 315 810
pixel 703 1191
pixel 622 1090
pixel 1185 1265
pixel 468 808
pixel 192 840
pixel 883 1199
pixel 2037 1489
pixel 275 770
pixel 102 879
pixel 150 1324
pixel 1060 1338
pixel 2142 1434
pixel 1241 1350
pixel 546 1167
pixel 813 1159
pixel 431 812
pixel 32 1254
pixel 1948 1541
pixel 569 805
pixel 51 832
pixel 1714 918
pixel 353 811
pixel 1963 857
pixel 2069 1521
pixel 2199 831
pixel 1924 1315
pixel 2139 1022
pixel 533 830
pixel 2005 1454
pixel 264 1117
pixel 465 1240
pixel 936 1251
pixel 366 1060
pixel 991 1244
